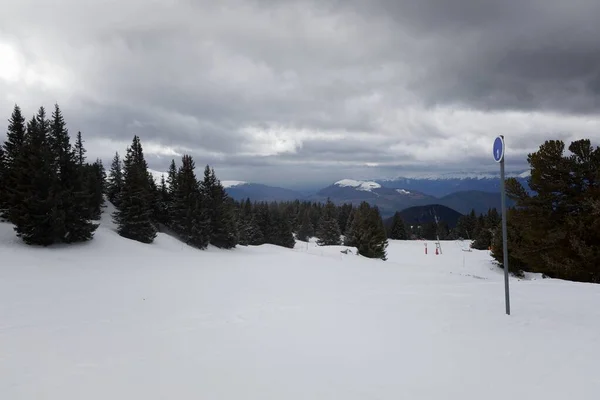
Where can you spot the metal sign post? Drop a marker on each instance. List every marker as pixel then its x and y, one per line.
pixel 499 147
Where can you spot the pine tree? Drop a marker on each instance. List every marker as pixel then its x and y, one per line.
pixel 343 215
pixel 367 232
pixel 134 214
pixel 114 185
pixel 486 225
pixel 164 216
pixel 429 230
pixel 306 230
pixel 35 214
pixel 398 228
pixel 315 214
pixel 329 231
pixel 282 234
pixel 252 232
pixel 223 229
pixel 265 223
pixel 256 237
pixel 172 178
pixel 349 233
pixel 94 177
pixel 3 188
pixel 80 150
pixel 245 220
pixel 189 218
pixel 154 198
pixel 467 225
pixel 72 196
pixel 171 185
pixel 12 149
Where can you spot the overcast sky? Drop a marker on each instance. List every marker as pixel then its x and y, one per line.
pixel 308 91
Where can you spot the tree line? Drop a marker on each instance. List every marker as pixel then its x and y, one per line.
pixel 52 195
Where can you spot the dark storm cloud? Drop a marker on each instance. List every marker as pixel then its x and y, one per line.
pixel 273 90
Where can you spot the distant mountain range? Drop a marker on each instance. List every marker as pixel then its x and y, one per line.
pixel 460 192
pixel 443 185
pixel 389 200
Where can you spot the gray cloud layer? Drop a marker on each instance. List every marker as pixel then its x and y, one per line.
pixel 307 90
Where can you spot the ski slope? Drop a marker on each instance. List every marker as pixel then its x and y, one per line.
pixel 119 319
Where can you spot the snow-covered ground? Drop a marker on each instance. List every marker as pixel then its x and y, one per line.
pixel 117 319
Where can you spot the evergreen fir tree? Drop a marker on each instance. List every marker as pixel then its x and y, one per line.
pixel 329 231
pixel 3 188
pixel 377 237
pixel 429 230
pixel 79 150
pixel 367 232
pixel 483 240
pixel 245 219
pixel 256 237
pixel 282 234
pixel 72 197
pixel 398 228
pixel 265 223
pixel 171 184
pixel 164 216
pixel 114 185
pixel 486 225
pixel 223 229
pixel 95 177
pixel 12 149
pixel 35 214
pixel 189 219
pixel 315 214
pixel 467 225
pixel 254 234
pixel 172 178
pixel 306 230
pixel 349 237
pixel 134 214
pixel 154 200
pixel 343 215
pixel 201 223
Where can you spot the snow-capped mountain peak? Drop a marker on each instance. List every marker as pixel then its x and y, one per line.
pixel 525 174
pixel 229 184
pixel 402 191
pixel 157 175
pixel 366 186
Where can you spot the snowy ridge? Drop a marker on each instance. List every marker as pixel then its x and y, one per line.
pixel 366 186
pixel 459 175
pixel 229 184
pixel 402 191
pixel 157 175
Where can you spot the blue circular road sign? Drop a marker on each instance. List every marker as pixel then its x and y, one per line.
pixel 499 149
